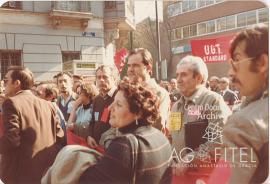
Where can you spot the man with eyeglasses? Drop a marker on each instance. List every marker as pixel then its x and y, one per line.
pixel 246 131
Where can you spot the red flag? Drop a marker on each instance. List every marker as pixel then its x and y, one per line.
pixel 73 139
pixel 219 172
pixel 212 50
pixel 105 115
pixel 119 59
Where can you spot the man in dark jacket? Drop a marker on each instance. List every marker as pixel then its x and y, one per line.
pixel 228 95
pixel 106 79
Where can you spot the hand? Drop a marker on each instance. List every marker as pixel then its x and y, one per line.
pixel 77 103
pixel 70 126
pixel 91 142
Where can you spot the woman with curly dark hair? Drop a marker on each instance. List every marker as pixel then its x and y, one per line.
pixel 142 153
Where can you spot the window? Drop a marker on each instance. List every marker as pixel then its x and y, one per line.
pixel 193 30
pixel 77 6
pixel 170 10
pixel 263 15
pixel 175 44
pixel 68 56
pixel 241 20
pixel 68 5
pixel 185 6
pixel 173 34
pixel 189 5
pixel 210 26
pixel 251 18
pixel 178 33
pixel 201 3
pixel 186 32
pixel 219 1
pixel 174 9
pixel 110 4
pixel 230 22
pixel 221 24
pixel 178 8
pixel 209 2
pixel 9 58
pixel 85 6
pixel 201 28
pixel 224 23
pixel 192 5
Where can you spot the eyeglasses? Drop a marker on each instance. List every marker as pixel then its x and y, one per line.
pixel 235 64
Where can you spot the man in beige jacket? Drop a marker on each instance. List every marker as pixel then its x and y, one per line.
pixel 196 105
pixel 140 63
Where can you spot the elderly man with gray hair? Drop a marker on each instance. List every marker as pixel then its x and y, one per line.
pixel 228 95
pixel 199 115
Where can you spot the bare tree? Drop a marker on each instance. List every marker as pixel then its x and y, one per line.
pixel 145 36
pixel 166 40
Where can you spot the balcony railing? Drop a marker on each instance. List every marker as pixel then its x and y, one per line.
pixel 71 13
pixel 12 5
pixel 74 6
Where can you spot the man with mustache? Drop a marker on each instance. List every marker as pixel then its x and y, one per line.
pixel 67 96
pixel 246 131
pixel 140 64
pixel 107 78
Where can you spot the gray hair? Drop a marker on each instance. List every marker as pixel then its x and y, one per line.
pixel 173 80
pixel 114 72
pixel 196 64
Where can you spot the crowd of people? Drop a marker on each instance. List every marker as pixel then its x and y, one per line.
pixel 138 123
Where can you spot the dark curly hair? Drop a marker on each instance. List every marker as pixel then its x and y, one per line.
pixel 141 101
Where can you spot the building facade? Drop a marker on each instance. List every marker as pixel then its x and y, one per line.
pixel 46 36
pixel 185 21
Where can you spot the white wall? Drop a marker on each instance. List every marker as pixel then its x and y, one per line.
pixel 42 45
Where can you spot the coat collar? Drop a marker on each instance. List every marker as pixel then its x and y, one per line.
pixel 195 96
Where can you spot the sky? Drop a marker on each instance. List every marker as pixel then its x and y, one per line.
pixel 144 9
